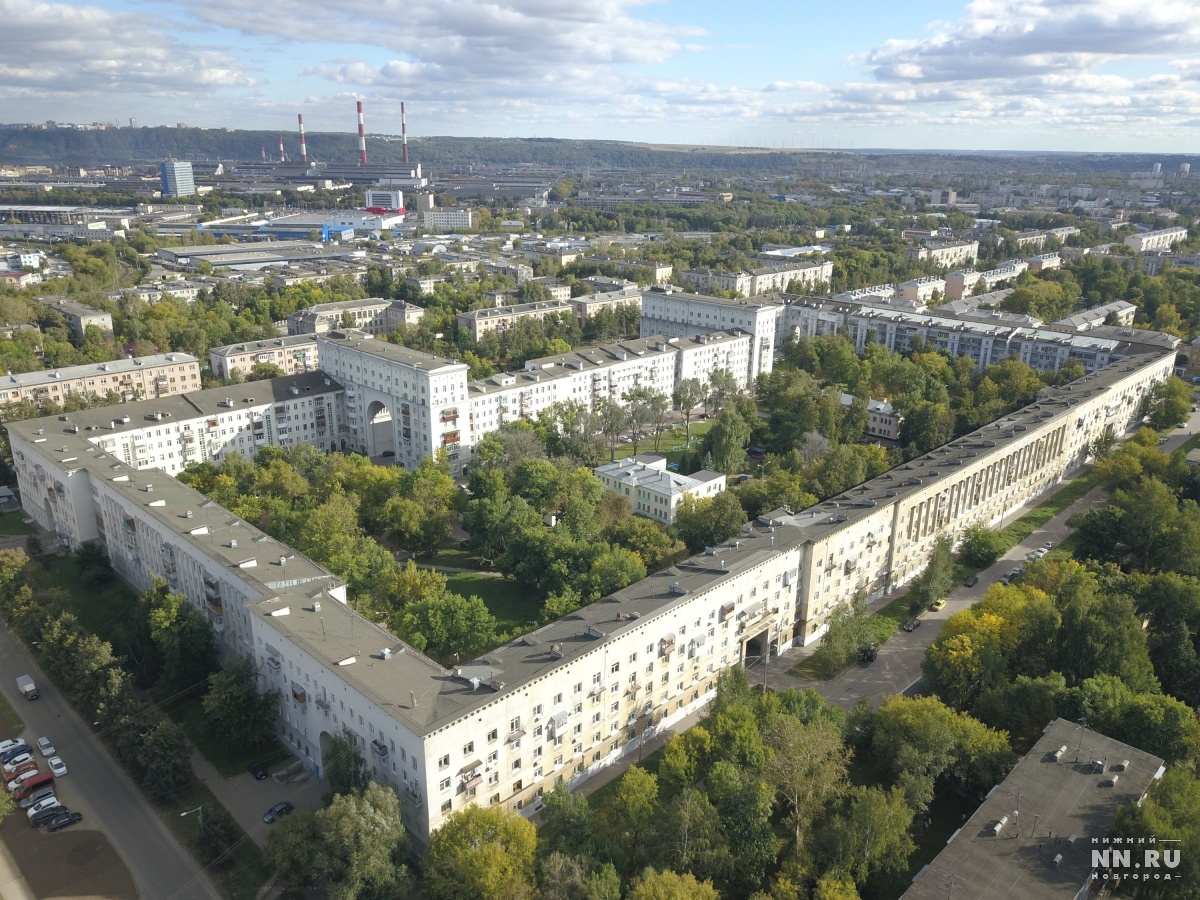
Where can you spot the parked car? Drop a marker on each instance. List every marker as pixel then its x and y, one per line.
pixel 13 752
pixel 42 805
pixel 46 816
pixel 57 766
pixel 66 820
pixel 40 794
pixel 938 604
pixel 20 777
pixel 5 746
pixel 15 763
pixel 1049 545
pixel 971 581
pixel 258 770
pixel 278 811
pixel 45 746
pixel 911 625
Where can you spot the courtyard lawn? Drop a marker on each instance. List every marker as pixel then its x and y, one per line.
pixel 673 443
pixel 229 762
pixel 13 523
pixel 514 605
pixel 98 606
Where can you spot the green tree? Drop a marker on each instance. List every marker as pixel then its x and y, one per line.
pixel 936 579
pixel 345 769
pixel 981 546
pixel 483 853
pixel 183 638
pixel 868 834
pixel 165 760
pixel 626 818
pixel 217 835
pixel 1170 812
pixel 613 419
pixel 728 439
pixel 264 370
pixel 1170 403
pixel 687 396
pixel 447 624
pixel 706 522
pixel 807 767
pixel 652 885
pixel 236 710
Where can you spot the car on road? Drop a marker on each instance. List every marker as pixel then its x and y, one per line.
pixel 971 581
pixel 1161 441
pixel 42 805
pixel 10 767
pixel 278 811
pixel 46 816
pixel 57 766
pixel 66 820
pixel 938 604
pixel 911 625
pixel 258 770
pixel 45 746
pixel 13 752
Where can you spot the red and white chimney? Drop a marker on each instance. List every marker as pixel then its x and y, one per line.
pixel 303 147
pixel 282 158
pixel 362 138
pixel 404 131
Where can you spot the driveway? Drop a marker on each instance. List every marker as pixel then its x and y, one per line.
pixel 898 667
pixel 98 787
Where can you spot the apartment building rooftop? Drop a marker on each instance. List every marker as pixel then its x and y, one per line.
pixel 115 367
pixel 492 312
pixel 279 343
pixel 98 421
pixel 361 341
pixel 843 511
pixel 1031 838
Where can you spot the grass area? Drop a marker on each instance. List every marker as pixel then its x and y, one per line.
pixel 673 442
pixel 13 523
pixel 457 558
pixel 12 723
pixel 190 717
pixel 98 606
pixel 248 871
pixel 1048 509
pixel 514 605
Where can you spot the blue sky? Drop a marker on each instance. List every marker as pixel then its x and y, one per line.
pixel 1112 75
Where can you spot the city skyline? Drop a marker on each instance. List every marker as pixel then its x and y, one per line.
pixel 1057 75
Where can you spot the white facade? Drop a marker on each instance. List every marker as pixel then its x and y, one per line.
pixel 922 290
pixel 294 354
pixel 133 378
pixel 447 219
pixel 684 315
pixel 953 253
pixel 763 280
pixel 1163 239
pixel 500 318
pixel 652 490
pixel 556 705
pixel 962 284
pixel 373 315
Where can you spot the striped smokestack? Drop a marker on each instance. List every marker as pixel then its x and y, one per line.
pixel 404 131
pixel 362 138
pixel 303 148
pixel 282 158
pixel 264 152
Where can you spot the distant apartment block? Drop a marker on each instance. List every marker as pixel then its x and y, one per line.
pixel 588 305
pixel 177 178
pixel 294 354
pixel 1120 312
pixel 479 322
pixel 882 419
pixel 763 280
pixel 1162 239
pixel 950 253
pixel 1044 261
pixel 131 379
pixel 449 219
pixel 922 290
pixel 660 271
pixel 968 281
pixel 79 317
pixel 555 288
pixel 652 490
pixel 374 315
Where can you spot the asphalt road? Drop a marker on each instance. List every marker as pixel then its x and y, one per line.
pixel 897 670
pixel 98 787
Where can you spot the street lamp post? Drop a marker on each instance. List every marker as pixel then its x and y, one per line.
pixel 199 809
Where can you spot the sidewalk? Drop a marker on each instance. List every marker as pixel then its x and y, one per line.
pixel 13 885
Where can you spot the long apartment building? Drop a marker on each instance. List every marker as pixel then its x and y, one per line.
pixel 558 704
pixel 295 354
pixel 985 342
pixel 762 280
pixel 174 432
pixel 1163 239
pixel 374 315
pixel 963 283
pixel 678 314
pixel 945 253
pixel 500 318
pixel 133 378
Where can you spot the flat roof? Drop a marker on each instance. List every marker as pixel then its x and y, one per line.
pixel 264 346
pixel 1050 807
pixel 115 367
pixel 355 339
pixel 759 301
pixel 491 312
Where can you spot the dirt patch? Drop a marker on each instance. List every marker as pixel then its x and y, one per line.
pixel 75 863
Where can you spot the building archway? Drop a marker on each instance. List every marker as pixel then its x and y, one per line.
pixel 381 431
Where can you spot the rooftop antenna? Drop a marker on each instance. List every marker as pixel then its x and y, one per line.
pixel 303 147
pixel 404 132
pixel 362 138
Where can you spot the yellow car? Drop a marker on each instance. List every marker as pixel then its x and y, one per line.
pixel 937 604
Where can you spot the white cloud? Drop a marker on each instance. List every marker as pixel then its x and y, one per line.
pixel 49 49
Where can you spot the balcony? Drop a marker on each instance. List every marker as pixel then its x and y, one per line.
pixel 322 704
pixel 666 646
pixel 273 663
pixel 449 415
pixel 379 748
pixel 299 694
